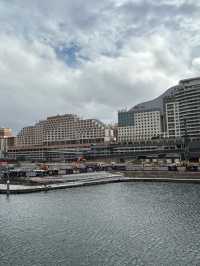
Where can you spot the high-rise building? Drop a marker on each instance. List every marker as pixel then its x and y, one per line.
pixel 172 119
pixel 188 98
pixel 144 121
pixel 182 110
pixel 173 114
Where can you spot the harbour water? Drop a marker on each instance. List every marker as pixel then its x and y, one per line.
pixel 114 224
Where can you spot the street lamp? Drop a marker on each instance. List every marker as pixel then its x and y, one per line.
pixel 186 142
pixel 8 184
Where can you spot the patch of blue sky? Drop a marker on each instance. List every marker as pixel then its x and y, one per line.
pixel 69 54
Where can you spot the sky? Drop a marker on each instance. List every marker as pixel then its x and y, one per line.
pixel 92 58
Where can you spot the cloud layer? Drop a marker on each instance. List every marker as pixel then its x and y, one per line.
pixel 92 57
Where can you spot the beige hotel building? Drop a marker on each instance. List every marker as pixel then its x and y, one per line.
pixel 54 137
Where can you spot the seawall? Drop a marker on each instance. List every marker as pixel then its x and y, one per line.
pixel 163 174
pixel 135 176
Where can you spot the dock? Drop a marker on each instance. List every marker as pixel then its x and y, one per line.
pixel 75 180
pixel 97 178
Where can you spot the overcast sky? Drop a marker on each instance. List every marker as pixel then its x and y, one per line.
pixel 92 57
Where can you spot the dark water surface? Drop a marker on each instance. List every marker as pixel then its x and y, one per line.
pixel 114 224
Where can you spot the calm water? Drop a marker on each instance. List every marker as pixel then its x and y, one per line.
pixel 115 224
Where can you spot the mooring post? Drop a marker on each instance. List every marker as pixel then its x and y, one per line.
pixel 45 188
pixel 8 187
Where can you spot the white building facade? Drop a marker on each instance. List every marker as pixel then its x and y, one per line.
pixel 182 110
pixel 172 120
pixel 147 125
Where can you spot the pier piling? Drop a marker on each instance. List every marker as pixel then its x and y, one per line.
pixel 8 187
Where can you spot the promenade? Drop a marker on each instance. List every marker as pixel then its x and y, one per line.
pixel 75 180
pixel 98 178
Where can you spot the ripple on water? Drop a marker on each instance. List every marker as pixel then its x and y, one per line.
pixel 115 224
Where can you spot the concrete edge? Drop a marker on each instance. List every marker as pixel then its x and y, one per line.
pixel 99 182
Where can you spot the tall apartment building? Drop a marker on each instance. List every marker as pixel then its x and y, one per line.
pixel 188 97
pixel 172 119
pixel 182 113
pixel 144 121
pixel 171 115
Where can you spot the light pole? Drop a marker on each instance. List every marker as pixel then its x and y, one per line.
pixel 186 142
pixel 8 184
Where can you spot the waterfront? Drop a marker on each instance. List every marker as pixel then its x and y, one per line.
pixel 114 224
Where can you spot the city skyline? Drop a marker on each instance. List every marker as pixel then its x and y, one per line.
pixel 87 57
pixel 99 132
pixel 150 106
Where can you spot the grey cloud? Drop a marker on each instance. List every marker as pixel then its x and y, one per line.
pixel 128 51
